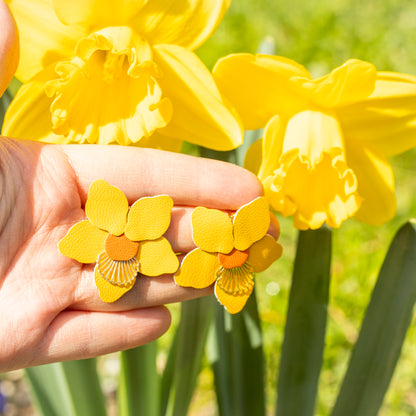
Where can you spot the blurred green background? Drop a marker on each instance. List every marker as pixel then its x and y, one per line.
pixel 322 35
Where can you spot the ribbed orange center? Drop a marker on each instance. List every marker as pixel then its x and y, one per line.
pixel 234 259
pixel 120 248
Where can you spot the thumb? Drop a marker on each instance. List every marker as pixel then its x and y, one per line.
pixel 9 46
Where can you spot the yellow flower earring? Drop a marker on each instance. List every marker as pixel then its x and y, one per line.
pixel 123 241
pixel 230 250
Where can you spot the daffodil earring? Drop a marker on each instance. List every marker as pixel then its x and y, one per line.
pixel 231 248
pixel 123 241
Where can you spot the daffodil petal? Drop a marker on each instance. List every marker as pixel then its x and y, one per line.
pixel 258 86
pixel 198 269
pixel 251 223
pixel 83 242
pixel 187 23
pixel 264 253
pixel 351 82
pixel 387 119
pixel 161 142
pixel 253 157
pixel 273 138
pixel 107 207
pixel 156 257
pixel 200 115
pixel 109 292
pixel 212 230
pixel 90 13
pixel 44 39
pixel 149 218
pixel 375 184
pixel 232 303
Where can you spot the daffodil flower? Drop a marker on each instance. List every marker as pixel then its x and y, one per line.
pixel 230 251
pixel 106 71
pixel 122 241
pixel 323 156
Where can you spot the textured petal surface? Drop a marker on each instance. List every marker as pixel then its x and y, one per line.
pixel 233 303
pixel 251 223
pixel 212 230
pixel 90 13
pixel 157 257
pixel 149 218
pixel 349 83
pixel 200 115
pixel 108 292
pixel 258 86
pixel 187 23
pixel 387 119
pixel 313 155
pixel 375 184
pixel 107 207
pixel 264 253
pixel 83 242
pixel 44 39
pixel 198 269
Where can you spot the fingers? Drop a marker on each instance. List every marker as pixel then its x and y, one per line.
pixel 142 172
pixel 77 335
pixel 9 46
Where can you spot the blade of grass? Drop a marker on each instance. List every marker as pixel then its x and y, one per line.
pixel 303 344
pixel 139 389
pixel 236 355
pixel 383 330
pixel 196 316
pixel 71 388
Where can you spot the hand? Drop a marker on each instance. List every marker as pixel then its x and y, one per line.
pixel 50 308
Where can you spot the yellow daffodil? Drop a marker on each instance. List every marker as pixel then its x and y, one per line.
pixel 119 72
pixel 323 156
pixel 230 251
pixel 9 47
pixel 122 241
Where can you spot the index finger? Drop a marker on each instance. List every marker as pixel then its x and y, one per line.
pixel 139 172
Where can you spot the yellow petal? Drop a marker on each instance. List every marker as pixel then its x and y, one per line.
pixel 349 83
pixel 44 39
pixel 200 115
pixel 161 142
pixel 233 303
pixel 9 47
pixel 273 138
pixel 212 230
pixel 187 23
pixel 83 242
pixel 109 92
pixel 251 223
pixel 375 184
pixel 89 13
pixel 149 218
pixel 108 292
pixel 198 269
pixel 387 119
pixel 253 157
pixel 107 207
pixel 258 86
pixel 313 181
pixel 264 253
pixel 156 257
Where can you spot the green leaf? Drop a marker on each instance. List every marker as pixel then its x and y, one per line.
pixel 139 388
pixel 5 100
pixel 192 333
pixel 303 344
pixel 71 388
pixel 383 330
pixel 235 351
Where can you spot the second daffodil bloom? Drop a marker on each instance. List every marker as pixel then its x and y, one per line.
pixel 230 250
pixel 122 241
pixel 107 71
pixel 323 156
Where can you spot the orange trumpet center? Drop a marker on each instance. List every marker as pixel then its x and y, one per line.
pixel 234 259
pixel 120 248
